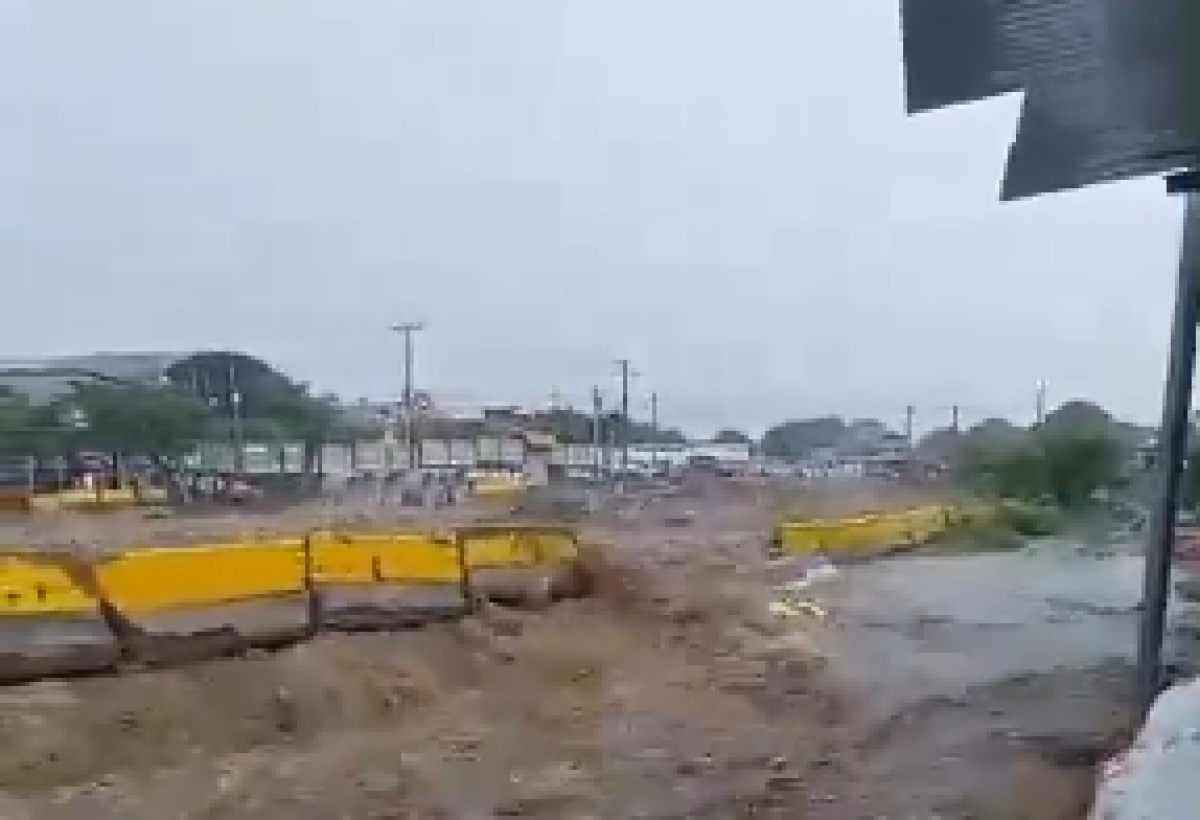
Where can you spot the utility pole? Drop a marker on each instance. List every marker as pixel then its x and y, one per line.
pixel 412 444
pixel 654 432
pixel 1040 406
pixel 237 431
pixel 597 432
pixel 910 413
pixel 954 420
pixel 623 442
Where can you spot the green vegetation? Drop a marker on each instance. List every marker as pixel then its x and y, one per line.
pixel 798 438
pixel 163 421
pixel 1070 470
pixel 143 418
pixel 731 436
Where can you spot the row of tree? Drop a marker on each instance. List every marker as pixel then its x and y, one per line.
pixel 161 421
pixel 1077 452
pixel 1076 455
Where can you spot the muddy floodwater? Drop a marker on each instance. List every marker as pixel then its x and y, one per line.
pixel 981 686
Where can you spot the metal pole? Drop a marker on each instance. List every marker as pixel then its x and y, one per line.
pixel 597 432
pixel 654 432
pixel 1040 404
pixel 624 427
pixel 410 438
pixel 412 444
pixel 1172 446
pixel 235 418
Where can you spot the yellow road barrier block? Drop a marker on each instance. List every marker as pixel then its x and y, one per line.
pixel 555 545
pixel 925 522
pixel 521 563
pixel 180 603
pixel 95 499
pixel 343 559
pixel 372 580
pixel 842 536
pixel 796 537
pixel 422 559
pixel 29 586
pixel 153 579
pixel 51 619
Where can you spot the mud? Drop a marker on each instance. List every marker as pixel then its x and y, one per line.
pixel 604 707
pixel 954 687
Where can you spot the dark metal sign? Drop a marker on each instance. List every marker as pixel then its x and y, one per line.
pixel 1112 87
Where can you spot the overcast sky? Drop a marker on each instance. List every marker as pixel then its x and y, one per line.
pixel 725 192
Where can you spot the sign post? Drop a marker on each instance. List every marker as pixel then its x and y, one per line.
pixel 1172 444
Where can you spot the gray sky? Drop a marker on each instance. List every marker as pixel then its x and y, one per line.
pixel 726 192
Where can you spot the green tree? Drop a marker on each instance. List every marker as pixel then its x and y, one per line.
pixel 23 428
pixel 299 416
pixel 156 421
pixel 730 436
pixel 799 437
pixel 1078 464
pixel 1063 465
pixel 135 418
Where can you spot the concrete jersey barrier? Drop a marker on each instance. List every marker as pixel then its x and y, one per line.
pixel 847 536
pixel 62 615
pixel 52 619
pixel 171 604
pixel 364 580
pixel 520 564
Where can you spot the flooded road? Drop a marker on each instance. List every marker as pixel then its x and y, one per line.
pixel 977 685
pixel 995 682
pixel 942 625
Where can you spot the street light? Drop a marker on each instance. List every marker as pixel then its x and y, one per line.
pixel 411 443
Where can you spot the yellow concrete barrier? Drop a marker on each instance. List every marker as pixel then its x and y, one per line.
pixel 62 615
pixel 52 621
pixel 178 603
pixel 95 499
pixel 372 580
pixel 521 563
pixel 926 522
pixel 861 533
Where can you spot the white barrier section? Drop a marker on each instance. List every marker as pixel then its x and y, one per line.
pixel 1159 777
